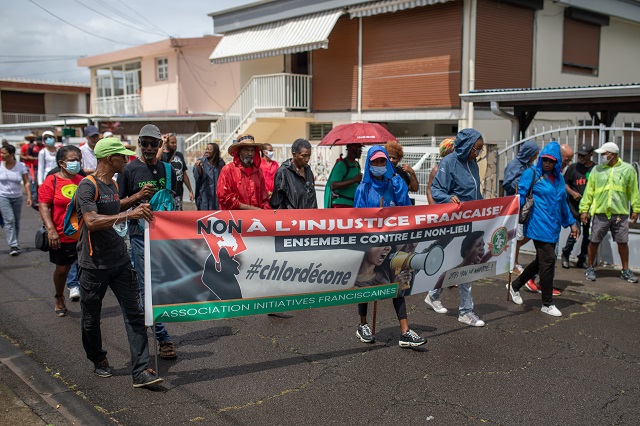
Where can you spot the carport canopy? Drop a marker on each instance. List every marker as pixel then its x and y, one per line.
pixel 602 102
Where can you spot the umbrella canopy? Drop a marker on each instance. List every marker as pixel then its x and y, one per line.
pixel 364 133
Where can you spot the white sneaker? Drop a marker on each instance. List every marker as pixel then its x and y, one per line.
pixel 471 319
pixel 515 295
pixel 518 269
pixel 551 310
pixel 436 305
pixel 74 294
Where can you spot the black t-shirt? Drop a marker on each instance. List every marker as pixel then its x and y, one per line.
pixel 136 175
pixel 576 177
pixel 180 166
pixel 109 249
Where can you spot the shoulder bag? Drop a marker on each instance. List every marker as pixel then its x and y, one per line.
pixel 525 210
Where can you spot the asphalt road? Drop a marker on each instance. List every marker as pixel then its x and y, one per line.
pixel 524 367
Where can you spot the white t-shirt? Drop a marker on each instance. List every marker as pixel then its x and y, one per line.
pixel 11 180
pixel 46 163
pixel 89 161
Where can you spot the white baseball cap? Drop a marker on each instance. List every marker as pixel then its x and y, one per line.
pixel 608 147
pixel 47 133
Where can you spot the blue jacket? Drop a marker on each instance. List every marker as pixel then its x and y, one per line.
pixel 391 187
pixel 456 175
pixel 550 210
pixel 518 165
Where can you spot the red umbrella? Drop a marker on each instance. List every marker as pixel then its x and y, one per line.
pixel 364 133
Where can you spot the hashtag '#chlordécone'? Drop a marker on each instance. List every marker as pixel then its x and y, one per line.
pixel 254 268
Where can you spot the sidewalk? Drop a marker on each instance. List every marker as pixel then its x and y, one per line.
pixel 31 396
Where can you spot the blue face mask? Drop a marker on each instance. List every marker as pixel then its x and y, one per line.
pixel 73 167
pixel 377 171
pixel 50 141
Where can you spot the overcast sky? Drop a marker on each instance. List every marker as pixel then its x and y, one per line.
pixel 31 34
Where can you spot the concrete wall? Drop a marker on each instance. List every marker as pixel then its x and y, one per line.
pixel 271 65
pixel 204 87
pixel 619 51
pixel 56 103
pixel 159 95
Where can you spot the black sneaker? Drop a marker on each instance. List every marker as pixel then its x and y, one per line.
pixel 411 339
pixel 565 263
pixel 146 378
pixel 14 251
pixel 581 264
pixel 103 369
pixel 364 334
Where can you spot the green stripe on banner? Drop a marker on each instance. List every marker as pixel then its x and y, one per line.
pixel 202 311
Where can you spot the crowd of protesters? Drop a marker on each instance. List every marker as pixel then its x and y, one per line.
pixel 116 195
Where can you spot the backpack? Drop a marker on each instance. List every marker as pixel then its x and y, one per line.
pixel 163 201
pixel 71 225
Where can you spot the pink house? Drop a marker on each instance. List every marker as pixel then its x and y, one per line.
pixel 169 77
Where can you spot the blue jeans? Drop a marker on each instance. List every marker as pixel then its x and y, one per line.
pixel 466 299
pixel 11 208
pixel 72 277
pixel 94 284
pixel 137 253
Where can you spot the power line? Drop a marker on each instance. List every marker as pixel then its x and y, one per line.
pixel 78 28
pixel 197 79
pixel 144 18
pixel 115 20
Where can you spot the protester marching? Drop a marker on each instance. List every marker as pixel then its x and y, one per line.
pixel 237 246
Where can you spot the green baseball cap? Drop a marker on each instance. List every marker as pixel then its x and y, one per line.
pixel 110 146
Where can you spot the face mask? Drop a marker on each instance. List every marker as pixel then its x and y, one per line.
pixel 269 154
pixel 121 228
pixel 50 141
pixel 73 167
pixel 377 171
pixel 608 157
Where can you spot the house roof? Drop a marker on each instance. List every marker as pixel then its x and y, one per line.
pixel 273 32
pixel 270 11
pixel 148 49
pixel 23 84
pixel 569 98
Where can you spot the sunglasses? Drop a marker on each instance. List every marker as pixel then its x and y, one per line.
pixel 145 144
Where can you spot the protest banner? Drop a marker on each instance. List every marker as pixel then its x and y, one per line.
pixel 223 264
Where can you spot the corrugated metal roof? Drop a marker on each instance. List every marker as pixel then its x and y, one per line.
pixel 557 93
pixel 386 6
pixel 50 82
pixel 300 34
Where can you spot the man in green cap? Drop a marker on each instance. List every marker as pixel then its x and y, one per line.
pixel 103 262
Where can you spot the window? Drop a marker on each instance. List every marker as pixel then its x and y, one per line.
pixel 162 69
pixel 581 41
pixel 317 131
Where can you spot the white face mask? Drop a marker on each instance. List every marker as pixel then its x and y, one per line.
pixel 269 154
pixel 121 228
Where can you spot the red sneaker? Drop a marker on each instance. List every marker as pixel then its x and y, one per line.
pixel 556 292
pixel 532 286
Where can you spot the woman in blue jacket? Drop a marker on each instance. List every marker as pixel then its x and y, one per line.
pixel 381 186
pixel 549 214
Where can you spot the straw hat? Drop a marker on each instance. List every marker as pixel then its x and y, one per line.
pixel 243 140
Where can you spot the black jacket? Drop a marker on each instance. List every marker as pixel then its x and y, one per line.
pixel 292 191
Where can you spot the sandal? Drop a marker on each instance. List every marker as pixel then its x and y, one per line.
pixel 63 311
pixel 167 350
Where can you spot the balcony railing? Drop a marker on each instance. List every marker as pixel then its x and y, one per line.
pixel 118 105
pixel 21 118
pixel 273 92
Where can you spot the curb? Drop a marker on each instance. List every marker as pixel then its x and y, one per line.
pixel 52 391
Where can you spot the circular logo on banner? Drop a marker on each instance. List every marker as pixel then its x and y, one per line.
pixel 499 241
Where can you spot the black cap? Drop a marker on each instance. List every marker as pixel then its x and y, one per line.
pixel 585 149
